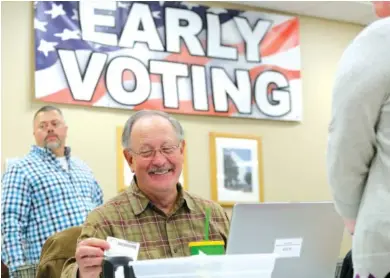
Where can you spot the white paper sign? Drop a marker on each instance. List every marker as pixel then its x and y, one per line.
pixel 121 247
pixel 288 248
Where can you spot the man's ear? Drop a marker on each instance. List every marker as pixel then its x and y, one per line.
pixel 66 130
pixel 129 158
pixel 182 146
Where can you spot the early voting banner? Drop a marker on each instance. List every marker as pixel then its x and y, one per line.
pixel 178 57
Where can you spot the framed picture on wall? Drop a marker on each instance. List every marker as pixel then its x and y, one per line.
pixel 124 174
pixel 236 174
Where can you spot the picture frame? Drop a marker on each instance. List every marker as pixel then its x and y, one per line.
pixel 124 174
pixel 236 169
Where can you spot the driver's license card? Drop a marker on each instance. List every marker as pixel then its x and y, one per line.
pixel 121 247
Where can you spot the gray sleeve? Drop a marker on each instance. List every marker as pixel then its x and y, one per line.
pixel 361 87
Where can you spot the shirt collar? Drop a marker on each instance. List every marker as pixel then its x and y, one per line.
pixel 141 201
pixel 47 153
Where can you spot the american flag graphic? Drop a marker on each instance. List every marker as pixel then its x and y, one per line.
pixel 57 26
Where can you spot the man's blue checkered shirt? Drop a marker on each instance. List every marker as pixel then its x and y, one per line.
pixel 40 198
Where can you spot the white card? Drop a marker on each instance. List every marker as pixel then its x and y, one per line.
pixel 288 248
pixel 121 247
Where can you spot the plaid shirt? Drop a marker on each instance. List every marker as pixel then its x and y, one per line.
pixel 40 198
pixel 131 216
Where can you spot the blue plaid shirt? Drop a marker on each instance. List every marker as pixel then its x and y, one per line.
pixel 40 198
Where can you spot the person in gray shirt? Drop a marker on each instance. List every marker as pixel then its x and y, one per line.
pixel 358 157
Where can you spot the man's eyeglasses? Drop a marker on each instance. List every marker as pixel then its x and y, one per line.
pixel 166 151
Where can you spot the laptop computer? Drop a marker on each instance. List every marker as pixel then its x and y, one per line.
pixel 306 236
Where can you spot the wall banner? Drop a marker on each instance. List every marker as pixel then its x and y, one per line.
pixel 177 57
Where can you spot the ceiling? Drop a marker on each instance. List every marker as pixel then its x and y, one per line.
pixel 359 12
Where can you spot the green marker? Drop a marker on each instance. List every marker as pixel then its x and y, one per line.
pixel 207 247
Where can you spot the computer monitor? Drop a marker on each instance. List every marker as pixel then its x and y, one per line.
pixel 306 236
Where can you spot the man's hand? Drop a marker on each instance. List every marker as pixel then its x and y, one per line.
pixel 89 257
pixel 350 225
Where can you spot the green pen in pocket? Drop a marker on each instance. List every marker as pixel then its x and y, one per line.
pixel 207 247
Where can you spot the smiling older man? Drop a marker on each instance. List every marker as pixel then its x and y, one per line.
pixel 155 210
pixel 45 192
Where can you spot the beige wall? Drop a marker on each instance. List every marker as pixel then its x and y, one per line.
pixel 294 154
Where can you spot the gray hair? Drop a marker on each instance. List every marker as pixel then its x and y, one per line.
pixel 149 113
pixel 47 108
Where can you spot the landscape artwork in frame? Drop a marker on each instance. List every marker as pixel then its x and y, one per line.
pixel 124 174
pixel 236 169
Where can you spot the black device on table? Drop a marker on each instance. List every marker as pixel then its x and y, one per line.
pixel 111 264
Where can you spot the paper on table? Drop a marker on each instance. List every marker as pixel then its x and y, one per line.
pixel 288 248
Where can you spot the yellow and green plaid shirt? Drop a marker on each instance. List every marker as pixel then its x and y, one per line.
pixel 131 216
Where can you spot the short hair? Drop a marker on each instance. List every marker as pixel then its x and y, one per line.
pixel 149 113
pixel 47 108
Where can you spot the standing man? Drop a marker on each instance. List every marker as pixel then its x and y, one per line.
pixel 45 192
pixel 359 146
